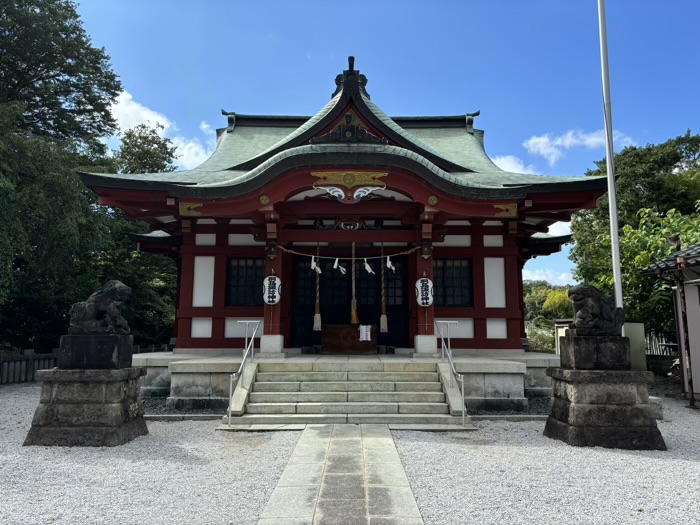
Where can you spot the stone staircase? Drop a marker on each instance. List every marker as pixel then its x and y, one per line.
pixel 282 393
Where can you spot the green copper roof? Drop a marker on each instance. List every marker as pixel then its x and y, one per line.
pixel 440 149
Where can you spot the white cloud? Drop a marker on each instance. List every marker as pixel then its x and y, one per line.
pixel 553 147
pixel 560 228
pixel 206 128
pixel 550 276
pixel 192 151
pixel 130 114
pixel 514 164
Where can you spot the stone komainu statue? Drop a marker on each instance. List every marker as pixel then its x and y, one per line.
pixel 101 312
pixel 593 315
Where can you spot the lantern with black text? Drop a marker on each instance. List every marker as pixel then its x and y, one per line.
pixel 424 292
pixel 272 289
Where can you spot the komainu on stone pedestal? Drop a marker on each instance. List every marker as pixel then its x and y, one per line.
pixel 598 401
pixel 92 398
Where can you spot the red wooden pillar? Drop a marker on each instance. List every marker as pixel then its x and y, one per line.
pixel 220 274
pixel 479 280
pixel 184 324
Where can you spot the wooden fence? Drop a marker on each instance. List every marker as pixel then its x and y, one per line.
pixel 21 369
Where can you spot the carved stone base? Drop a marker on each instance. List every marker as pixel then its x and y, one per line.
pixel 599 408
pixel 88 408
pixel 94 352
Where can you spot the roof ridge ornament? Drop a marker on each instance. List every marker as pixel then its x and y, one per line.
pixel 470 121
pixel 351 82
pixel 231 120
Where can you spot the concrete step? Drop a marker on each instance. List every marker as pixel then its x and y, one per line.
pixel 393 376
pixel 286 386
pixel 373 377
pixel 277 377
pixel 295 397
pixel 339 397
pixel 419 386
pixel 397 397
pixel 347 386
pixel 390 419
pixel 347 366
pixel 346 408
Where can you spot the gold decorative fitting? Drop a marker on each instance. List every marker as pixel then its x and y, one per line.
pixel 189 209
pixel 506 210
pixel 349 179
pixel 432 200
pixel 264 200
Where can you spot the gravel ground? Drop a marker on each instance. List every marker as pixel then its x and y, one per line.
pixel 181 473
pixel 509 473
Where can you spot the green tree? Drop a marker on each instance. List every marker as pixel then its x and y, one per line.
pixel 647 297
pixel 559 304
pixel 153 278
pixel 48 63
pixel 658 177
pixel 143 150
pixel 654 178
pixel 56 244
pixel 51 235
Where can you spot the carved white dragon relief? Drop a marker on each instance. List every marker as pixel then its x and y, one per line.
pixel 349 196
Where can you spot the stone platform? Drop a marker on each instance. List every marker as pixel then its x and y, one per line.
pixel 597 400
pixel 95 408
pixel 499 383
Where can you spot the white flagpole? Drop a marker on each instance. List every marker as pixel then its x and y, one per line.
pixel 612 197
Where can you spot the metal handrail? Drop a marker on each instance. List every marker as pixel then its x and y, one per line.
pixel 447 349
pixel 240 375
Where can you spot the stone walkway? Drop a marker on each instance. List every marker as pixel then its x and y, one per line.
pixel 343 475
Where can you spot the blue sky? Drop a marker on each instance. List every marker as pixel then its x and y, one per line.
pixel 531 67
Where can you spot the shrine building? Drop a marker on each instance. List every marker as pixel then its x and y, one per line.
pixel 349 209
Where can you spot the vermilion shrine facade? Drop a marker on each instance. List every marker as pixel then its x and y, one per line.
pixel 349 209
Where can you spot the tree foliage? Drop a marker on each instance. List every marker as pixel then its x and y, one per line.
pixel 48 63
pixel 544 303
pixel 143 150
pixel 57 245
pixel 652 181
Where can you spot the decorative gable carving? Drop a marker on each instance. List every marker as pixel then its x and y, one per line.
pixel 349 130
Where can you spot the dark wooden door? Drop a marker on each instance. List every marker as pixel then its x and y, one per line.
pixel 336 295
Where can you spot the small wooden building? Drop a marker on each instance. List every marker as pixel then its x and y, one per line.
pixel 375 203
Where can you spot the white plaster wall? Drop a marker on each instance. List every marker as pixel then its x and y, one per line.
pixel 495 282
pixel 496 329
pixel 203 287
pixel 201 327
pixel 205 239
pixel 232 328
pixel 206 221
pixel 241 239
pixel 493 241
pixel 465 328
pixel 457 240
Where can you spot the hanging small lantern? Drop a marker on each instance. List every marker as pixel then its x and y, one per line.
pixel 272 289
pixel 424 291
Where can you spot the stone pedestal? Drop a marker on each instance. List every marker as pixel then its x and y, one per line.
pixel 95 352
pixel 271 344
pixel 597 400
pixel 425 344
pixel 89 408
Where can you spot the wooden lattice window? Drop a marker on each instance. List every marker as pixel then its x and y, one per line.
pixel 454 283
pixel 244 282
